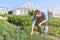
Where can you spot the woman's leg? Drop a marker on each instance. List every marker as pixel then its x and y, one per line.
pixel 46 28
pixel 39 29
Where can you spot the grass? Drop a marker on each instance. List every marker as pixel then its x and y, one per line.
pixel 25 36
pixel 54 22
pixel 54 31
pixel 54 26
pixel 9 31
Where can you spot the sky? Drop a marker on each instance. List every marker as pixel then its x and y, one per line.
pixel 11 4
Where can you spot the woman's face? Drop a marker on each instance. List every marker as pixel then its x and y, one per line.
pixel 38 15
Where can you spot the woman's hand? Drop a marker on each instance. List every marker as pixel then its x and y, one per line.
pixel 31 33
pixel 39 24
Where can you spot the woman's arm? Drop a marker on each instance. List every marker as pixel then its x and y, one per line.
pixel 33 23
pixel 32 30
pixel 42 22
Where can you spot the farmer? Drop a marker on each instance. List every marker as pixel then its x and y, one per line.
pixel 40 18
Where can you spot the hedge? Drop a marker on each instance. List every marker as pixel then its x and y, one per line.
pixel 22 21
pixel 26 21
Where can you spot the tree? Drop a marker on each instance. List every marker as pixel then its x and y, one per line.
pixel 30 12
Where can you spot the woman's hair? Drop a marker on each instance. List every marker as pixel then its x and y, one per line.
pixel 36 12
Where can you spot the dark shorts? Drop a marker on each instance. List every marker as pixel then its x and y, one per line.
pixel 45 24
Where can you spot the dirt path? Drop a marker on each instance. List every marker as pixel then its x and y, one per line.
pixel 54 37
pixel 51 36
pixel 57 38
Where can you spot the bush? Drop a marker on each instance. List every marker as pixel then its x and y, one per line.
pixel 25 21
pixel 30 12
pixel 5 15
pixel 22 21
pixel 54 22
pixel 8 31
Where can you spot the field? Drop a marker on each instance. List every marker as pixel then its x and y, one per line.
pixel 25 22
pixel 54 25
pixel 10 31
pixel 19 27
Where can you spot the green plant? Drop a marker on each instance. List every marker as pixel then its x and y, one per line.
pixel 5 15
pixel 25 22
pixel 54 21
pixel 9 31
pixel 31 12
pixel 22 21
pixel 54 31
